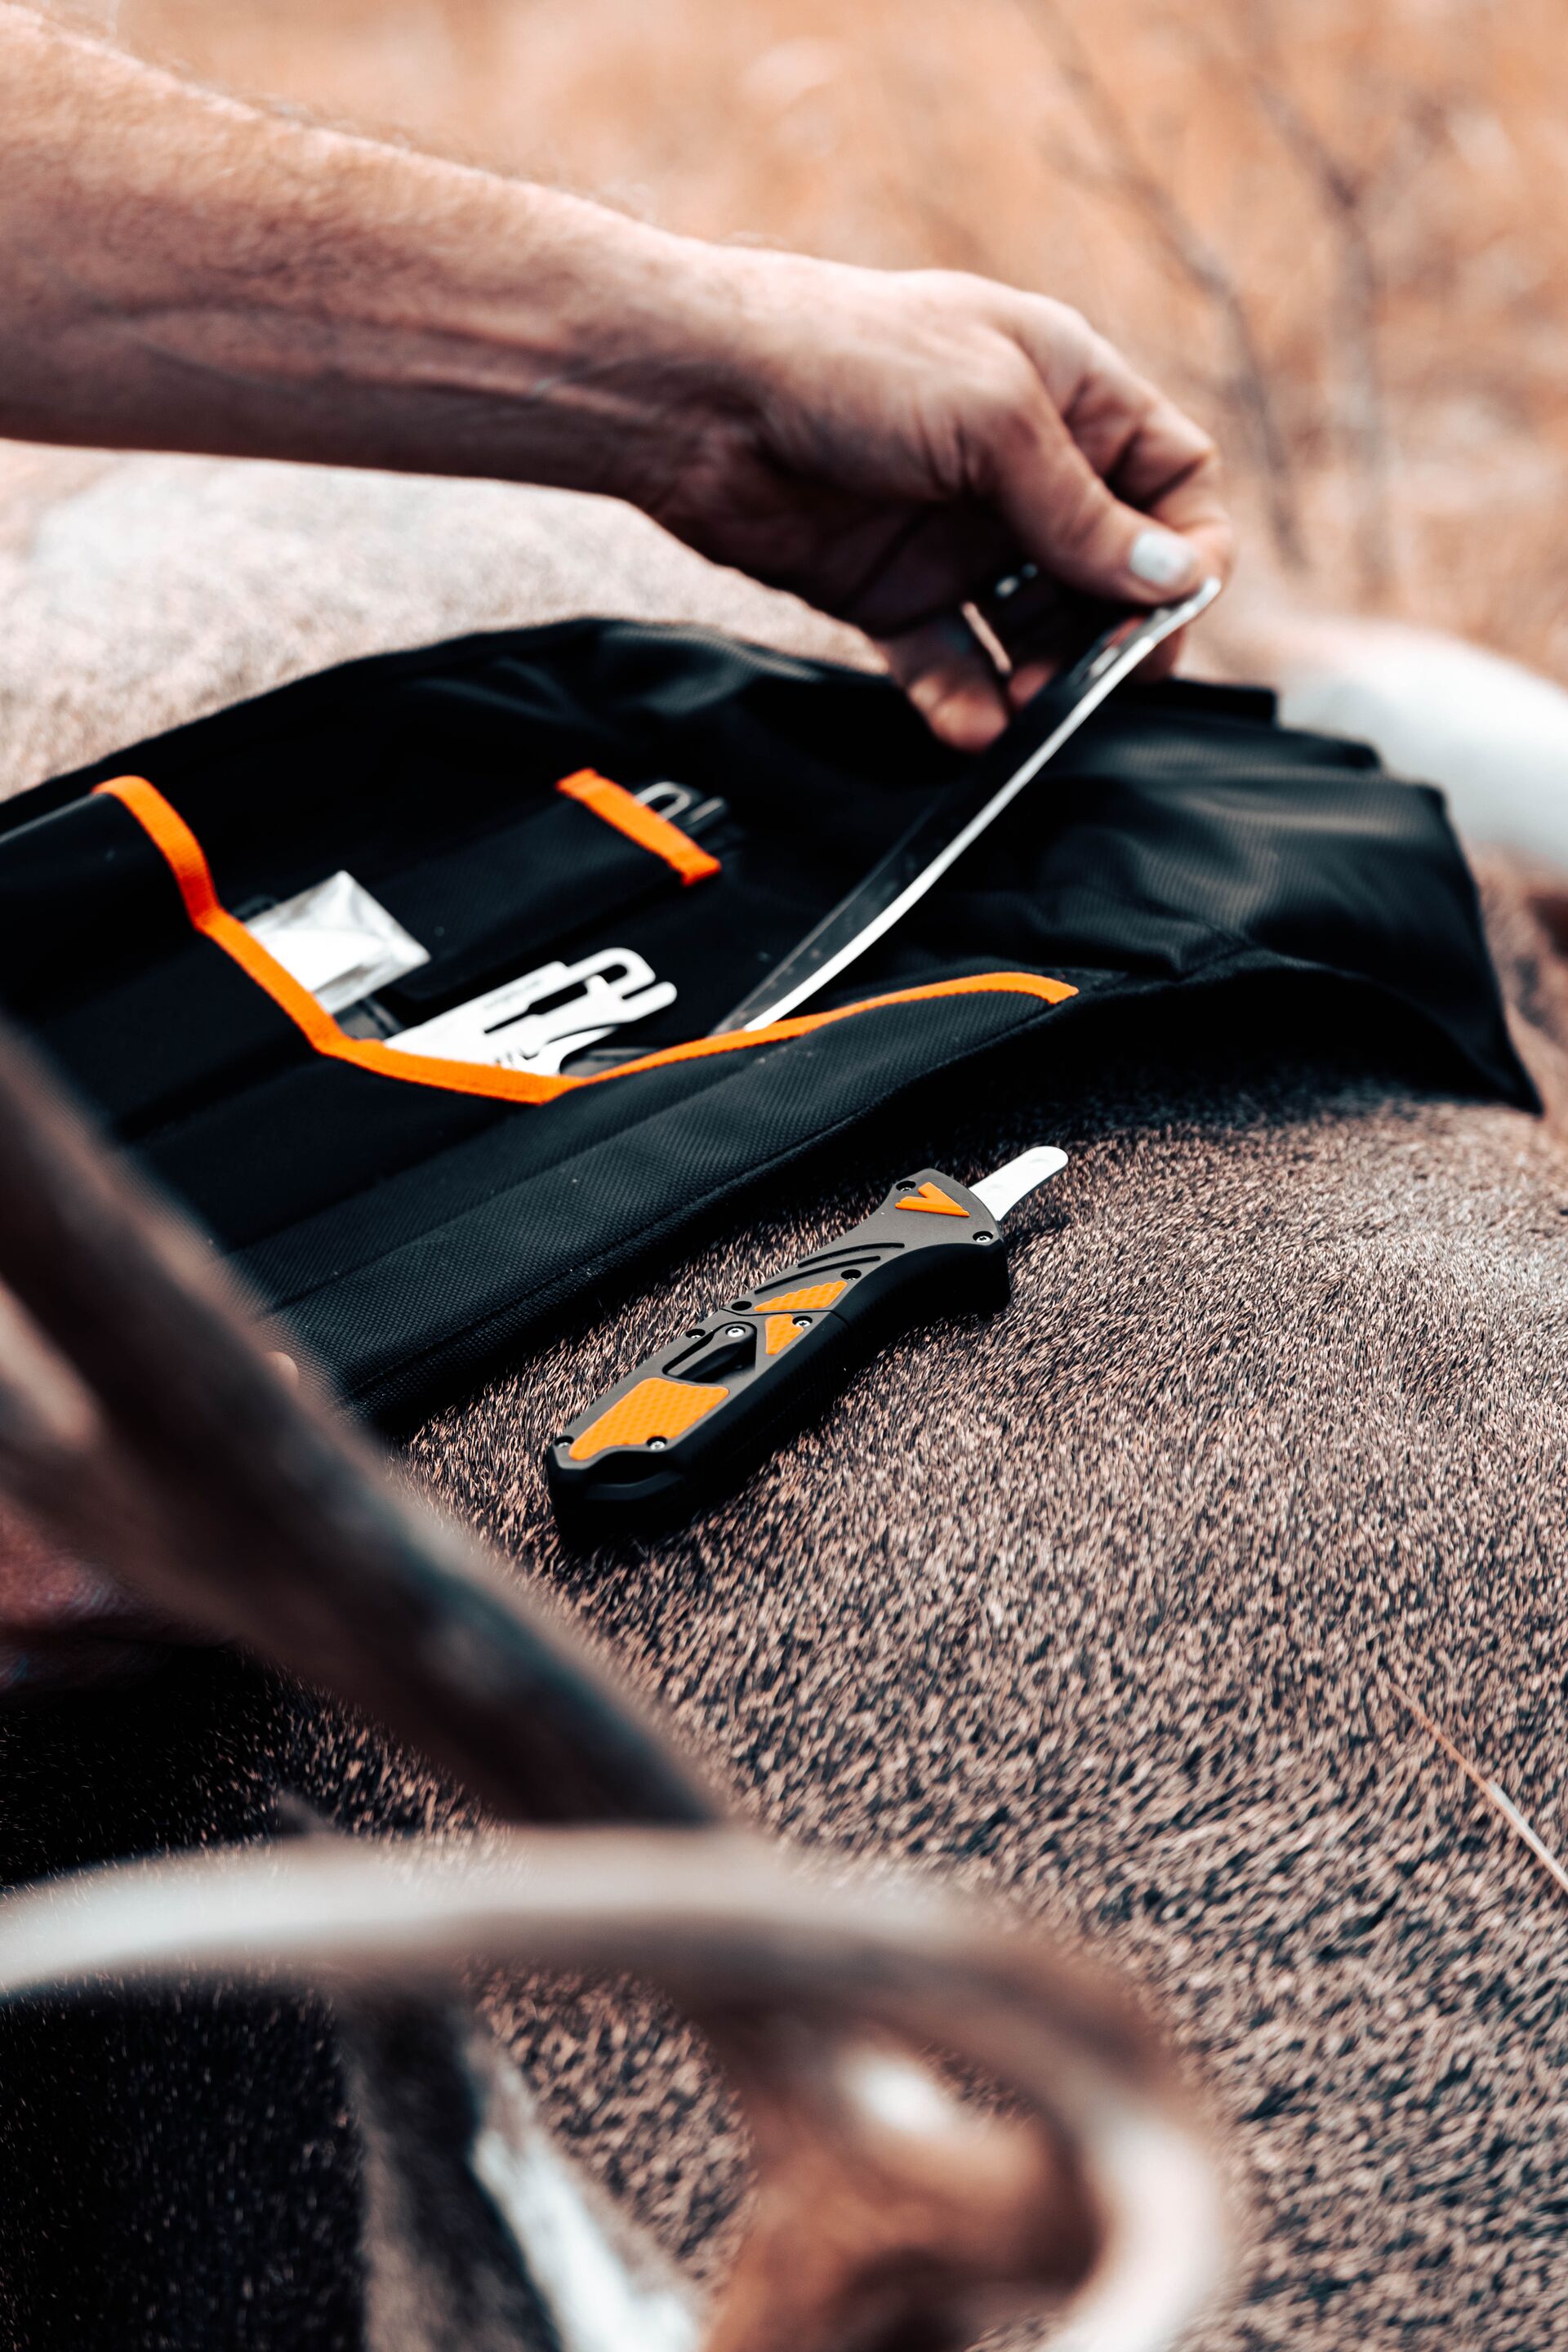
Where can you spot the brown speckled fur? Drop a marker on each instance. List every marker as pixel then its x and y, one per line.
pixel 1096 1606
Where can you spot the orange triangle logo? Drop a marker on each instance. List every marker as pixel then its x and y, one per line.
pixel 934 1201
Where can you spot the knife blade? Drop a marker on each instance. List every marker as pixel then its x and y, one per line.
pixel 685 1425
pixel 938 838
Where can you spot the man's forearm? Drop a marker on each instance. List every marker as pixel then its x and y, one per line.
pixel 178 270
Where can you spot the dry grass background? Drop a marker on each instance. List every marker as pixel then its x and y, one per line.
pixel 1338 228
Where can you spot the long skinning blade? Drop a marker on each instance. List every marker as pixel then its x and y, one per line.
pixel 962 814
pixel 1010 1183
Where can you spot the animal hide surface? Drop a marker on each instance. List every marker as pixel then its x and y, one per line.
pixel 1103 1604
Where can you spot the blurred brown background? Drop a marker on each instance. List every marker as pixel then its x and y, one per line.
pixel 1337 228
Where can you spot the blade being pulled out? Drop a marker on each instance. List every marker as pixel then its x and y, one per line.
pixel 962 814
pixel 1010 1183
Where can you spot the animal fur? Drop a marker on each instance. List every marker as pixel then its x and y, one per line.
pixel 1101 1604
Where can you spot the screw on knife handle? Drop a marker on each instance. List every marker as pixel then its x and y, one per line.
pixel 690 1420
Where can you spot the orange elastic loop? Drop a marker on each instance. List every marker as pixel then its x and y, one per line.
pixel 182 853
pixel 616 806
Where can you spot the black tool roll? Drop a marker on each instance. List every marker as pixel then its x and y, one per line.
pixel 411 1215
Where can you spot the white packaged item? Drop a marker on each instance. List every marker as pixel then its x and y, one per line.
pixel 337 941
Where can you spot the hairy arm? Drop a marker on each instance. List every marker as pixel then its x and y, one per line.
pixel 181 271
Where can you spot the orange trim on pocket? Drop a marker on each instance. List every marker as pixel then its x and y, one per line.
pixel 187 861
pixel 644 826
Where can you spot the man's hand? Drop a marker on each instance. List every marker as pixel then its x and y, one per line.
pixel 178 271
pixel 889 446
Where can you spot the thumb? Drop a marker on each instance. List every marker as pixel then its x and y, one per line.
pixel 1073 526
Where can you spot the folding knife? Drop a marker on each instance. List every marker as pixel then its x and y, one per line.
pixel 685 1424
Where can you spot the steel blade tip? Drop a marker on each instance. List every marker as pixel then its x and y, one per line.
pixel 1009 1185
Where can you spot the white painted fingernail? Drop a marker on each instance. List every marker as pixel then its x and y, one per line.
pixel 1162 558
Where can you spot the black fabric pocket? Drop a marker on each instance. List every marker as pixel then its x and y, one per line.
pixel 510 897
pixel 98 957
pixel 85 902
pixel 414 1230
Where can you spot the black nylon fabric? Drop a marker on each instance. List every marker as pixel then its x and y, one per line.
pixel 1186 849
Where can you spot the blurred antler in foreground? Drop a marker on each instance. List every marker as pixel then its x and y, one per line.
pixel 141 1421
pixel 889 2213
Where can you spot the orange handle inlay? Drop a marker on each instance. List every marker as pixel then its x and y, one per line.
pixel 934 1201
pixel 655 1408
pixel 644 826
pixel 182 853
pixel 809 1301
pixel 782 1331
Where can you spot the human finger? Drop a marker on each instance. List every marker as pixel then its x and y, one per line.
pixel 951 680
pixel 1153 456
pixel 1107 483
pixel 1067 519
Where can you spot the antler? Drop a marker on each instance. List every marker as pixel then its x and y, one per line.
pixel 140 1420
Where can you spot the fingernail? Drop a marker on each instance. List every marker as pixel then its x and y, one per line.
pixel 1162 558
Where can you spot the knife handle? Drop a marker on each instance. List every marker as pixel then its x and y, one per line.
pixel 690 1420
